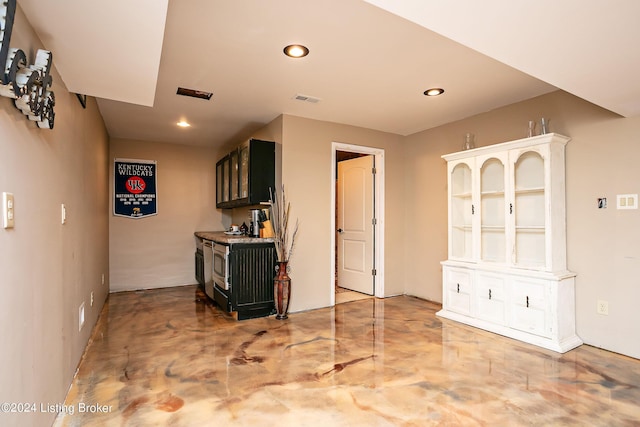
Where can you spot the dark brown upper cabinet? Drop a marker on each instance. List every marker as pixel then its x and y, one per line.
pixel 244 176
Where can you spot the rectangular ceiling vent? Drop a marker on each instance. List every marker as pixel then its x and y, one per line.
pixel 307 98
pixel 194 93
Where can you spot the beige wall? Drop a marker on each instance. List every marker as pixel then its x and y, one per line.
pixel 303 164
pixel 306 174
pixel 158 251
pixel 602 245
pixel 49 269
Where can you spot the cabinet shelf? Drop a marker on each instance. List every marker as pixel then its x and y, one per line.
pixel 531 228
pixel 492 194
pixel 464 227
pixel 461 195
pixel 533 190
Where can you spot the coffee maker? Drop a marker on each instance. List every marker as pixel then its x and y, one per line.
pixel 254 227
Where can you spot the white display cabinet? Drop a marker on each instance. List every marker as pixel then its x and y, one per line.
pixel 506 269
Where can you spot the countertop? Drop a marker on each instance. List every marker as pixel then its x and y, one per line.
pixel 221 237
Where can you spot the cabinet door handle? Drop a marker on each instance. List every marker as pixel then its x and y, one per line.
pixel 458 287
pixel 527 302
pixel 473 210
pixel 489 293
pixel 511 208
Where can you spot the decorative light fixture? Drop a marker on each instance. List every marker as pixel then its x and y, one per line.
pixel 434 91
pixel 183 124
pixel 30 86
pixel 296 51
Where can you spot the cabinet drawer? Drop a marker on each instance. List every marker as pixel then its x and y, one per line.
pixel 458 276
pixel 529 293
pixel 530 306
pixel 458 285
pixel 490 298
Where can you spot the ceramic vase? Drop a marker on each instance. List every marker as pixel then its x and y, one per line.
pixel 281 290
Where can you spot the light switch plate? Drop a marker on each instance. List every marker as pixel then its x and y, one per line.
pixel 627 201
pixel 8 213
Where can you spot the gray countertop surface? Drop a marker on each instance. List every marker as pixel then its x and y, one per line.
pixel 227 239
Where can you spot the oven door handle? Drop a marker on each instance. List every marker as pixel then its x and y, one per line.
pixel 227 273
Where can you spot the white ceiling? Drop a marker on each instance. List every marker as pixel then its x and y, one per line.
pixel 111 52
pixel 586 47
pixel 369 66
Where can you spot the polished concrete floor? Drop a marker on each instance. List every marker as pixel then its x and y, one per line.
pixel 169 358
pixel 343 295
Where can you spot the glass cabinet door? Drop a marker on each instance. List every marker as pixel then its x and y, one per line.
pixel 235 178
pixel 225 178
pixel 218 182
pixel 529 210
pixel 492 208
pixel 461 212
pixel 244 171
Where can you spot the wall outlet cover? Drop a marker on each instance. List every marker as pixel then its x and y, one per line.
pixel 627 201
pixel 603 307
pixel 8 217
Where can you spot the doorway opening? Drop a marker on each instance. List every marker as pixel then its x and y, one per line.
pixel 357 238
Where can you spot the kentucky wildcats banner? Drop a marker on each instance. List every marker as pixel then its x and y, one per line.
pixel 134 188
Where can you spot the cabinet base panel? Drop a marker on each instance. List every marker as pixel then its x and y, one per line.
pixel 247 311
pixel 559 346
pixel 255 312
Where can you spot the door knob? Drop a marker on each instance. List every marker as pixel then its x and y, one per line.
pixel 339 230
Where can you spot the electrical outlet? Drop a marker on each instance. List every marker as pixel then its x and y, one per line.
pixel 103 278
pixel 63 214
pixel 91 298
pixel 603 307
pixel 81 316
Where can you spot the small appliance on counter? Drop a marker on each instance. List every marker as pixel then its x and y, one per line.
pixel 254 227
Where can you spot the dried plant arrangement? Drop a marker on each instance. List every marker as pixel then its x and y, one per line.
pixel 280 209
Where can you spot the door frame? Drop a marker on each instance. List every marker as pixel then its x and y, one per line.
pixel 378 208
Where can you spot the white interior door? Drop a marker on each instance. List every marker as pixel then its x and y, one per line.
pixel 355 224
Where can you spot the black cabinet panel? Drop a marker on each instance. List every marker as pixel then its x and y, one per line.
pixel 244 176
pixel 251 270
pixel 200 267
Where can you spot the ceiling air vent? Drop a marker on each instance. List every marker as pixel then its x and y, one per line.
pixel 194 93
pixel 307 98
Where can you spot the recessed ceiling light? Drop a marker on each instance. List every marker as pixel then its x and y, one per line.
pixel 183 124
pixel 296 51
pixel 434 91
